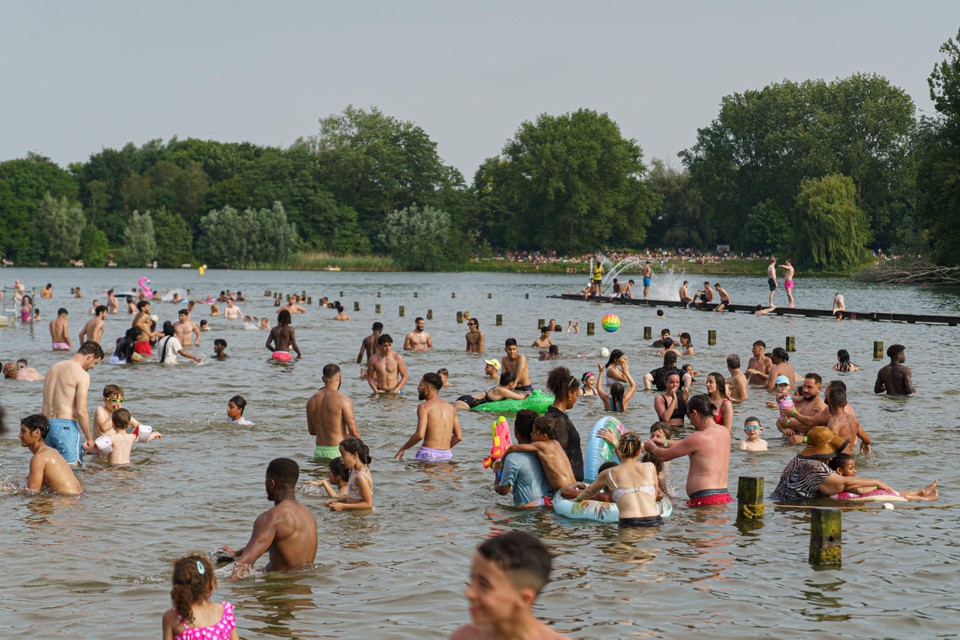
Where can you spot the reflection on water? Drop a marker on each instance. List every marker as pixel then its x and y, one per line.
pixel 398 572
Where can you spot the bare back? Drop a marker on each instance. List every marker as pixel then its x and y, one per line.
pixel 441 422
pixel 49 470
pixel 294 535
pixel 330 417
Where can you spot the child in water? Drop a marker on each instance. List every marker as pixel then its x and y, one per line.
pixel 118 441
pixel 193 616
pixel 103 416
pixel 784 399
pixel 359 495
pixel 337 480
pixel 235 409
pixel 219 349
pixel 752 431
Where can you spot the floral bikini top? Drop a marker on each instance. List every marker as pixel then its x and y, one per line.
pixel 219 631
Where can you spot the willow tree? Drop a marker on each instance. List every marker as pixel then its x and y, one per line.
pixel 830 231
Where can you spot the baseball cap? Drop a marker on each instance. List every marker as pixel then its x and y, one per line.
pixel 493 362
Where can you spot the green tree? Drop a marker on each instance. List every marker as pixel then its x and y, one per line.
pixel 174 239
pixel 416 237
pixel 60 223
pixel 679 221
pixel 767 229
pixel 139 240
pixel 830 231
pixel 94 247
pixel 571 183
pixel 232 239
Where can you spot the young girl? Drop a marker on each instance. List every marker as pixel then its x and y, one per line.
pixel 193 616
pixel 618 398
pixel 686 345
pixel 843 362
pixel 717 389
pixel 355 456
pixel 634 485
pixel 337 480
pixel 589 384
pixel 235 408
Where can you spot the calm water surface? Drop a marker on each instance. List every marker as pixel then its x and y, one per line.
pixel 98 566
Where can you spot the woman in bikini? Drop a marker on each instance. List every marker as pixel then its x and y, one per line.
pixel 505 391
pixel 633 483
pixel 717 390
pixel 671 405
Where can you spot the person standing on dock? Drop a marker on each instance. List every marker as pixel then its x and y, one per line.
pixel 647 276
pixel 772 278
pixel 597 275
pixel 788 272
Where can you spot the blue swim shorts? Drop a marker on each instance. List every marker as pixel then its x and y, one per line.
pixel 65 437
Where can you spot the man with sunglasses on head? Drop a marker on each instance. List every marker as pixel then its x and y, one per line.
pixel 474 337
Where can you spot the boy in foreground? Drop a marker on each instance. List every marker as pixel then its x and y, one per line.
pixel 507 575
pixel 48 469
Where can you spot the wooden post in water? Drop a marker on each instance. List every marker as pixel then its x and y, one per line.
pixel 749 498
pixel 356 305
pixel 459 317
pixel 416 294
pixel 541 323
pixel 826 527
pixel 590 329
pixel 453 294
pixel 309 299
pixel 266 294
pixel 341 294
pixel 378 294
pixel 303 294
pixel 878 349
pixel 378 308
pixel 499 319
pixel 647 333
pixel 401 311
pixel 526 296
pixel 711 336
pixel 489 295
pixel 429 314
pixel 791 343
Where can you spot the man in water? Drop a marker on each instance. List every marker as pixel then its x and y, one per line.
pixel 772 278
pixel 283 338
pixel 808 404
pixel 93 329
pixel 418 339
pixel 759 365
pixel 437 424
pixel 788 272
pixel 894 378
pixel 647 277
pixel 386 373
pixel 142 322
pixel 736 381
pixel 709 450
pixel 65 401
pixel 184 328
pixel 113 305
pixel 516 363
pixel 292 306
pixel 60 331
pixel 491 368
pixel 330 416
pixel 233 312
pixel 288 530
pixel 474 337
pixel 47 467
pixel 369 347
pixel 780 366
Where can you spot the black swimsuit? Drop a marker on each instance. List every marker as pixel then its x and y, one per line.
pixel 472 402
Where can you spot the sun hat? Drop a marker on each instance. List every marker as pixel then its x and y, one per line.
pixel 821 441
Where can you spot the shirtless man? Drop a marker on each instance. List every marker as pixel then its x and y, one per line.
pixel 142 322
pixel 709 451
pixel 292 306
pixel 553 459
pixel 288 530
pixel 845 424
pixel 626 292
pixel 807 405
pixel 184 328
pixel 517 363
pixel 780 366
pixel 685 293
pixel 894 378
pixel 647 277
pixel 113 305
pixel 758 367
pixel 283 338
pixel 705 295
pixel 418 339
pixel 330 416
pixel 386 372
pixel 65 401
pixel 736 381
pixel 60 331
pixel 47 291
pixel 233 312
pixel 544 341
pixel 491 368
pixel 724 297
pixel 437 424
pixel 474 337
pixel 772 278
pixel 47 467
pixel 369 347
pixel 788 272
pixel 93 329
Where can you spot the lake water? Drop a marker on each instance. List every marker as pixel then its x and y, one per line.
pixel 98 566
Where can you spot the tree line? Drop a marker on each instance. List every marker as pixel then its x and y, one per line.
pixel 825 171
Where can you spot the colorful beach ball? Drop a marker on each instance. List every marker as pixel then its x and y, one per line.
pixel 610 322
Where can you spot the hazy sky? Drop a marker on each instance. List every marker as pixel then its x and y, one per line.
pixel 82 75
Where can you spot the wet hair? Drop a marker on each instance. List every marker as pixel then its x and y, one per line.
pixel 894 350
pixel 733 361
pixel 142 304
pixel 37 422
pixel 168 328
pixel 433 379
pixel 554 350
pixel 673 373
pixel 659 311
pixel 660 425
pixel 815 377
pixel 615 355
pixel 220 342
pixel 385 339
pixel 91 348
pixel 330 370
pixel 686 336
pixel 21 361
pixel 702 405
pixel 837 396
pixel 190 584
pixel 507 377
pixel 510 342
pixel 418 319
pixel 523 424
pixel 524 559
pixel 616 396
pixel 760 343
pixel 606 465
pixel 357 448
pixel 544 329
pixel 667 343
pixel 99 309
pixel 844 364
pixel 442 371
pixel 240 401
pixel 203 323
pixel 112 391
pixel 377 326
pixel 121 419
pixel 339 469
pixel 629 446
pixel 752 419
pixel 839 461
pixel 283 471
pixel 560 382
pixel 669 358
pixel 475 322
pixel 338 307
pixel 548 426
pixel 183 312
pixel 283 318
pixel 781 353
pixel 664 332
pixel 721 383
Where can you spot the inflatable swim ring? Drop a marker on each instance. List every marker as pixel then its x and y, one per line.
pixel 599 511
pixel 877 495
pixel 145 287
pixel 599 450
pixel 537 401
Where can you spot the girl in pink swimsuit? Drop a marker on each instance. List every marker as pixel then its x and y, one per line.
pixel 193 616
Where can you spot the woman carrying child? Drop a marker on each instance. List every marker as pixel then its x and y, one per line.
pixel 633 483
pixel 193 616
pixel 355 456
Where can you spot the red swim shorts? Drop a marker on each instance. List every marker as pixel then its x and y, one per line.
pixel 143 348
pixel 716 498
pixel 282 356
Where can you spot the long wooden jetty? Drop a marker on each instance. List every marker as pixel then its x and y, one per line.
pixel 875 316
